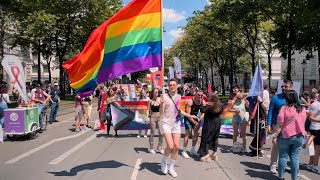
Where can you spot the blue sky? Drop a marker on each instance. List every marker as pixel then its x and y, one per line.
pixel 175 13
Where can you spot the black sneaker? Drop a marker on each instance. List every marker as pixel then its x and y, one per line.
pixel 260 156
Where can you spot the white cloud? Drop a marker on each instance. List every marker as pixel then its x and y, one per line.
pixel 176 33
pixel 172 16
pixel 209 2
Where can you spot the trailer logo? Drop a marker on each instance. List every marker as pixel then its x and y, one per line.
pixel 14 116
pixel 31 114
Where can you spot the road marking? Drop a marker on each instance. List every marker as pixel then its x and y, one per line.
pixel 74 149
pixel 136 169
pixel 32 151
pixel 301 175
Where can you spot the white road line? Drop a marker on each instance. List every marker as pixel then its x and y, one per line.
pixel 74 149
pixel 301 175
pixel 18 158
pixel 136 169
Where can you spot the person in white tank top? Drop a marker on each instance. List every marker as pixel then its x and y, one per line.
pixel 170 110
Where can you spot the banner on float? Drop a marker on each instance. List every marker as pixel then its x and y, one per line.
pixel 130 90
pixel 226 121
pixel 171 72
pixel 12 65
pixel 132 115
pixel 129 115
pixel 177 67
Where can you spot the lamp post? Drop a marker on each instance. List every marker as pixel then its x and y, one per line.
pixel 303 65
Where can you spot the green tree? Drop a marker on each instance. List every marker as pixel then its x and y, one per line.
pixel 285 15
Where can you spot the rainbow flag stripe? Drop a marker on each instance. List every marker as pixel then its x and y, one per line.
pixel 130 41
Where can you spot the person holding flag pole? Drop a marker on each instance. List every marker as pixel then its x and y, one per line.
pixel 259 112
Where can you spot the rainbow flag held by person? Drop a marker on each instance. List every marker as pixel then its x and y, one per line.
pixel 128 42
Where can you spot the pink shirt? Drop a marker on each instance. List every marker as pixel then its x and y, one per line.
pixel 294 127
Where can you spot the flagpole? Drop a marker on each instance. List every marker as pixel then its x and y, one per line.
pixel 162 56
pixel 258 119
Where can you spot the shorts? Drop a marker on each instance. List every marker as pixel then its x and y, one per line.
pixel 316 133
pixel 239 120
pixel 173 129
pixel 79 111
pixel 87 110
pixel 106 113
pixel 188 125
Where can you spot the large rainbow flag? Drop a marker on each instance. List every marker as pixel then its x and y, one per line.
pixel 130 41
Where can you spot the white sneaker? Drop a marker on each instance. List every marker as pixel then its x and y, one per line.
pixel 173 173
pixel 161 151
pixel 138 136
pixel 194 152
pixel 185 155
pixel 273 169
pixel 164 167
pixel 145 136
pixel 244 149
pixel 152 151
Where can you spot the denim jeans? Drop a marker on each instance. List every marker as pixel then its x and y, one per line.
pixel 292 147
pixel 54 111
pixel 3 106
pixel 40 108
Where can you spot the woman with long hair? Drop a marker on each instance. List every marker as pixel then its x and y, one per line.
pixel 111 98
pixel 155 121
pixel 211 128
pixel 238 107
pixel 290 133
pixel 143 97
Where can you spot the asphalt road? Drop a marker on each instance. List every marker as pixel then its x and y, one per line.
pixel 61 153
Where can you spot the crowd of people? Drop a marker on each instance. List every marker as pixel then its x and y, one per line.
pixel 284 116
pixel 288 118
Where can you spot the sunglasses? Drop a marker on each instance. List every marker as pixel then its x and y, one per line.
pixel 172 85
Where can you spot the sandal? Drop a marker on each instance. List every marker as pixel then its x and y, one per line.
pixel 204 158
pixel 214 157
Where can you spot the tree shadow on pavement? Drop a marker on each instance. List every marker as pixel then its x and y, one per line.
pixel 141 149
pixel 225 148
pixel 254 165
pixel 89 166
pixel 152 167
pixel 261 174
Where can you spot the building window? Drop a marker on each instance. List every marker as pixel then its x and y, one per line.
pixel 35 69
pixel 313 82
pixel 45 69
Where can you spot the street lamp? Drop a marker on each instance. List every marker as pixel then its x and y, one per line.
pixel 303 65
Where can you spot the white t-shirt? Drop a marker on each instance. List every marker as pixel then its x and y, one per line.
pixel 315 108
pixel 266 98
pixel 5 98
